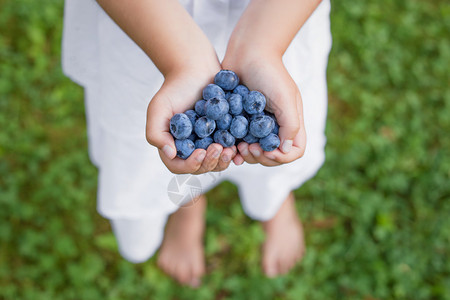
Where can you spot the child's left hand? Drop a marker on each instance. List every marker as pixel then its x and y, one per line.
pixel 266 73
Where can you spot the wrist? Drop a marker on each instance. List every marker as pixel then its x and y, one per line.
pixel 246 59
pixel 195 59
pixel 196 70
pixel 244 48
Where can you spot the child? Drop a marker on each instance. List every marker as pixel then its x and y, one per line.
pixel 125 53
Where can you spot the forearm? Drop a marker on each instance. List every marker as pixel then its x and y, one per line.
pixel 270 25
pixel 164 30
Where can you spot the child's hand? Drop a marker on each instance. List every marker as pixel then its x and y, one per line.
pixel 266 73
pixel 178 94
pixel 254 52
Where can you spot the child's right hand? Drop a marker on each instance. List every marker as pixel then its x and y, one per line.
pixel 179 93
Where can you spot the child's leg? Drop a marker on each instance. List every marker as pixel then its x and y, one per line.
pixel 284 244
pixel 181 254
pixel 138 239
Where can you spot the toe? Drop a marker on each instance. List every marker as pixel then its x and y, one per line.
pixel 287 263
pixel 270 266
pixel 195 282
pixel 198 269
pixel 183 273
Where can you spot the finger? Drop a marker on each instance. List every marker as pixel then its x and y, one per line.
pixel 297 151
pixel 211 160
pixel 238 160
pixel 245 153
pixel 157 128
pixel 289 120
pixel 184 166
pixel 257 152
pixel 225 158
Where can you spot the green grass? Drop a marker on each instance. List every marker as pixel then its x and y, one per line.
pixel 376 215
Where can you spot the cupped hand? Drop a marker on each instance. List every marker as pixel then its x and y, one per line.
pixel 266 73
pixel 179 93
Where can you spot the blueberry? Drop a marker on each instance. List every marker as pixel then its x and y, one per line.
pixel 224 138
pixel 180 126
pixel 192 115
pixel 276 128
pixel 241 90
pixel 184 148
pixel 226 79
pixel 204 127
pixel 224 122
pixel 213 91
pixel 254 102
pixel 252 117
pixel 261 126
pixel 250 139
pixel 203 143
pixel 239 127
pixel 245 115
pixel 216 108
pixel 192 137
pixel 228 95
pixel 200 108
pixel 235 103
pixel 270 142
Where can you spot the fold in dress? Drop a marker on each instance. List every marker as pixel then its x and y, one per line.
pixel 119 81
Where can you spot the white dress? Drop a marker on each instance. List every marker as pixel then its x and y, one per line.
pixel 119 81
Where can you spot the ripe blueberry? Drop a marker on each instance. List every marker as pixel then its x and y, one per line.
pixel 226 79
pixel 224 138
pixel 235 102
pixel 241 90
pixel 239 127
pixel 213 91
pixel 270 142
pixel 216 108
pixel 184 148
pixel 180 126
pixel 203 143
pixel 254 102
pixel 261 126
pixel 200 107
pixel 204 127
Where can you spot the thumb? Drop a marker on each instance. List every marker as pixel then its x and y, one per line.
pixel 288 118
pixel 157 129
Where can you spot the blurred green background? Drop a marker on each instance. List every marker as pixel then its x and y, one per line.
pixel 377 215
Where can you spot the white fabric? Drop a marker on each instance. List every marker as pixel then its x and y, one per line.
pixel 120 80
pixel 139 239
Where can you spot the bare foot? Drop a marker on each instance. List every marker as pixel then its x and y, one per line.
pixel 181 254
pixel 284 244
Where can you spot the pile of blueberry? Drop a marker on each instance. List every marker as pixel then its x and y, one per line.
pixel 228 114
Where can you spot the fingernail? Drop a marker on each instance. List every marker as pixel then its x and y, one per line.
pixel 244 152
pixel 256 152
pixel 168 151
pixel 201 156
pixel 195 282
pixel 226 158
pixel 216 154
pixel 287 146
